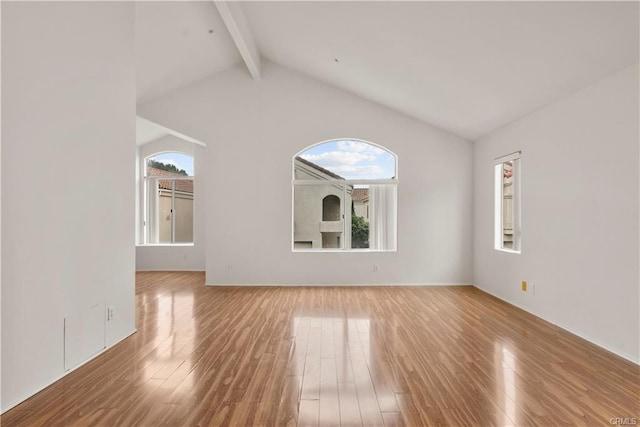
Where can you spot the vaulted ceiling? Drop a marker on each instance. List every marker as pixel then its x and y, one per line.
pixel 466 67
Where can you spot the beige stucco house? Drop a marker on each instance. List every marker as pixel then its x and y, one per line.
pixel 320 211
pixel 162 206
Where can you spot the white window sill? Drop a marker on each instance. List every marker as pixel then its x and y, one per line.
pixel 170 245
pixel 339 251
pixel 509 251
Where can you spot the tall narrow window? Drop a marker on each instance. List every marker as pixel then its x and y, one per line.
pixel 507 202
pixel 345 197
pixel 169 199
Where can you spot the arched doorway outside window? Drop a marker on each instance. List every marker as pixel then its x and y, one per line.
pixel 331 213
pixel 331 208
pixel 345 196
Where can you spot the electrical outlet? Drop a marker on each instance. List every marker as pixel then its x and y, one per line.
pixel 375 268
pixel 533 289
pixel 524 286
pixel 110 313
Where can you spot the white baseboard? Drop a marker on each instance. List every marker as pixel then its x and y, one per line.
pixel 58 378
pixel 570 330
pixel 307 285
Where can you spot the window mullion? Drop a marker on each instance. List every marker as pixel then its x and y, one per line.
pixel 344 220
pixel 173 210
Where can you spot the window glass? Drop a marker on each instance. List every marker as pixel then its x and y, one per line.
pixel 344 197
pixel 508 204
pixel 169 199
pixel 352 159
pixel 319 216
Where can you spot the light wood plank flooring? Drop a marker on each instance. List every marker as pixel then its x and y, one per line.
pixel 331 356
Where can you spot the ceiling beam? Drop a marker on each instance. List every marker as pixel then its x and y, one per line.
pixel 240 32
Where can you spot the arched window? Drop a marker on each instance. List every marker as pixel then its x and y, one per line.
pixel 345 197
pixel 169 198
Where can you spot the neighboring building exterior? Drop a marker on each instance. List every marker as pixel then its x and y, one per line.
pixel 160 207
pixel 320 211
pixel 507 205
pixel 360 199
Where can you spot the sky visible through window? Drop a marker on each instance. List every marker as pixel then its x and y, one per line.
pixel 352 159
pixel 179 160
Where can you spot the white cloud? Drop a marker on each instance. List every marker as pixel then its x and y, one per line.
pixel 359 171
pixel 351 159
pixel 359 147
pixel 336 158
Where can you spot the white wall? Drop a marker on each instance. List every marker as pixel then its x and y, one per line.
pixel 254 128
pixel 68 137
pixel 579 214
pixel 0 208
pixel 173 257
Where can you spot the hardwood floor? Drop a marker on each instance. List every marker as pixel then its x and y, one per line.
pixel 331 356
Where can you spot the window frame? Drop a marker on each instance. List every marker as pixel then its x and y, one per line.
pixel 146 195
pixel 345 183
pixel 516 159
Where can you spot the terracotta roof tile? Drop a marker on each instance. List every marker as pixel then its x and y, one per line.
pixel 185 186
pixel 360 194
